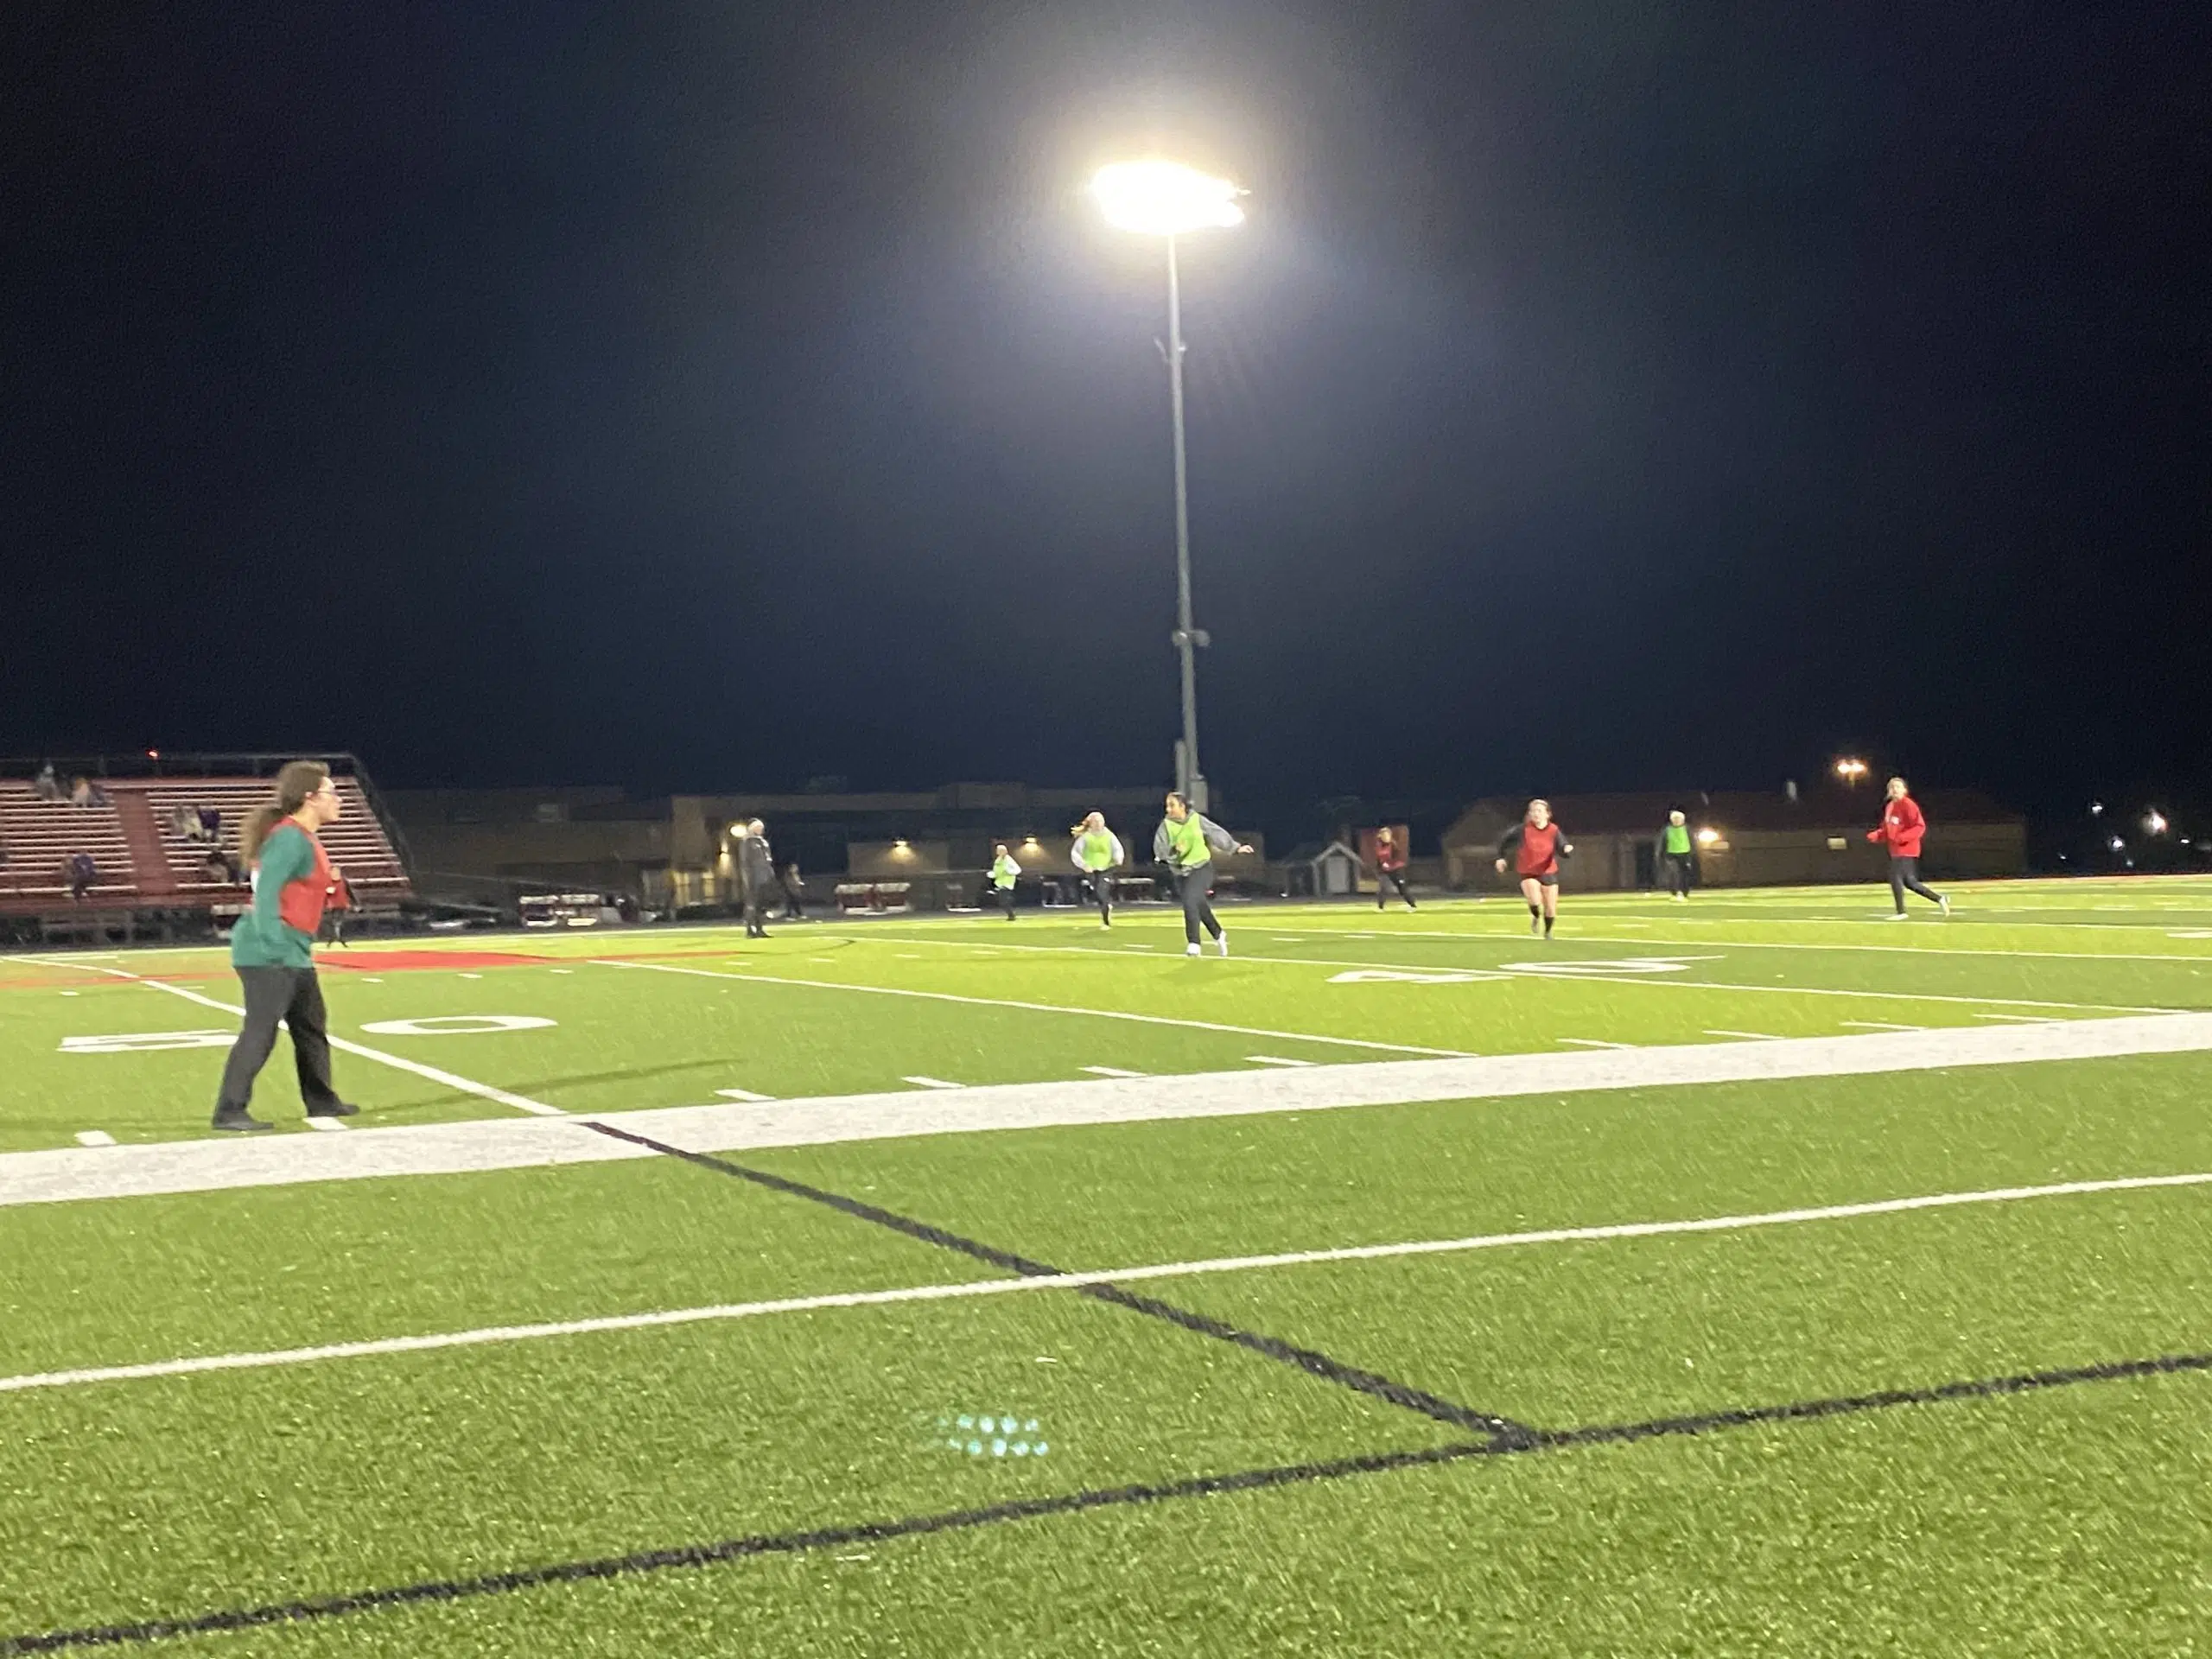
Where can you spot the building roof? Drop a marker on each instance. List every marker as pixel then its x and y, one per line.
pixel 1644 812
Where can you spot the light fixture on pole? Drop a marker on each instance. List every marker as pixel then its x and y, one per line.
pixel 1166 199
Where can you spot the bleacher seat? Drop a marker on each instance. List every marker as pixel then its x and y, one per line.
pixel 39 835
pixel 356 843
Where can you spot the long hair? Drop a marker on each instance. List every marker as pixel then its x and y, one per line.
pixel 296 781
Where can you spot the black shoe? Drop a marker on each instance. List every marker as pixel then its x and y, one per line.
pixel 335 1109
pixel 239 1119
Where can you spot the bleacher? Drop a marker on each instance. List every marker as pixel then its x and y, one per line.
pixel 40 835
pixel 147 868
pixel 356 843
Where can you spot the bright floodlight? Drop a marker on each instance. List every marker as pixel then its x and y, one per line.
pixel 1165 199
pixel 2155 821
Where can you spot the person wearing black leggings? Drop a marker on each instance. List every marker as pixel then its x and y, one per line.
pixel 1901 829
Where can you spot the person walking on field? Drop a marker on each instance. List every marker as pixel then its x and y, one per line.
pixel 272 945
pixel 1390 868
pixel 1900 830
pixel 756 875
pixel 1186 841
pixel 1004 871
pixel 1096 853
pixel 1536 845
pixel 1675 857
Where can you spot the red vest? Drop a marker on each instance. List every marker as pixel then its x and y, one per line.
pixel 1539 849
pixel 301 902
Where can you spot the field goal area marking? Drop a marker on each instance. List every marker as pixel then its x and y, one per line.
pixel 489 1335
pixel 430 1073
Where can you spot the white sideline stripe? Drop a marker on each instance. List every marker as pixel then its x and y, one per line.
pixel 1749 1036
pixel 1475 976
pixel 94 1138
pixel 66 1173
pixel 488 1335
pixel 933 1082
pixel 328 1125
pixel 1114 1071
pixel 466 1085
pixel 1594 1042
pixel 1274 1059
pixel 1879 1025
pixel 1038 1007
pixel 2016 1018
pixel 743 1094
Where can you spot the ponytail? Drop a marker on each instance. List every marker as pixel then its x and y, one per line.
pixel 296 781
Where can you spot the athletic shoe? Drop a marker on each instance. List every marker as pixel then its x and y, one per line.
pixel 335 1109
pixel 1946 904
pixel 239 1119
pixel 1221 943
pixel 1535 924
pixel 1190 949
pixel 1897 917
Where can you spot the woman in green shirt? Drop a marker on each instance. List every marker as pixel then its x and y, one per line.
pixel 272 944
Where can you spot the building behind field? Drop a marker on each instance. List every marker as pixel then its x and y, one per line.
pixel 1742 838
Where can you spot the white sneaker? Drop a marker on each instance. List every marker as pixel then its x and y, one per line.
pixel 1946 904
pixel 1898 917
pixel 1190 949
pixel 1221 943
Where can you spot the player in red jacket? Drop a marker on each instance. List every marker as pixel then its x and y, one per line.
pixel 1901 828
pixel 1390 868
pixel 1536 845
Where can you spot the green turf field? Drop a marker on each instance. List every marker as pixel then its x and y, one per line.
pixel 1863 1360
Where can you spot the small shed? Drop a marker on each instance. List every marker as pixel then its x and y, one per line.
pixel 1325 872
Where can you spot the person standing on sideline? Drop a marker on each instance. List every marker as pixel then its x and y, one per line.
pixel 1004 871
pixel 756 874
pixel 1536 845
pixel 1901 829
pixel 794 894
pixel 1390 868
pixel 1675 857
pixel 272 944
pixel 1186 841
pixel 1096 853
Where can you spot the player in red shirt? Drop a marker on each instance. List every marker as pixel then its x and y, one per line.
pixel 1390 868
pixel 1901 829
pixel 1536 845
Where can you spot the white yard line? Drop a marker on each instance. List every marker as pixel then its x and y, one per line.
pixel 67 1173
pixel 2014 1019
pixel 743 1094
pixel 489 1335
pixel 1749 1036
pixel 1036 1008
pixel 448 1079
pixel 933 1082
pixel 1935 951
pixel 1593 1042
pixel 1274 1059
pixel 328 1125
pixel 1113 1072
pixel 1879 1025
pixel 1474 975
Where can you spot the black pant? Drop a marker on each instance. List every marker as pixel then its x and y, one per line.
pixel 1905 877
pixel 756 914
pixel 1397 879
pixel 1197 909
pixel 1101 888
pixel 1005 896
pixel 293 996
pixel 793 911
pixel 1678 871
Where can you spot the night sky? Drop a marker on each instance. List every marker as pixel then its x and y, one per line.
pixel 1599 395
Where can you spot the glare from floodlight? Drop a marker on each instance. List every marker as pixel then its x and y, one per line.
pixel 2117 843
pixel 1165 199
pixel 1707 836
pixel 2155 821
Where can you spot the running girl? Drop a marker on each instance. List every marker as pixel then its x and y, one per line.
pixel 1535 845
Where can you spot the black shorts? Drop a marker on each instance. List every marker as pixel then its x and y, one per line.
pixel 1549 880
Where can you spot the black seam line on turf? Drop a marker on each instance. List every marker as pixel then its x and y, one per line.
pixel 1026 1508
pixel 1306 1359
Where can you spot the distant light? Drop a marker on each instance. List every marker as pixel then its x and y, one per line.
pixel 1707 836
pixel 1851 769
pixel 1164 198
pixel 2155 821
pixel 2096 808
pixel 153 754
pixel 2117 843
pixel 899 845
pixel 1029 840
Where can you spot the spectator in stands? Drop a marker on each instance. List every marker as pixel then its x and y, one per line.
pixel 44 785
pixel 81 792
pixel 81 870
pixel 214 868
pixel 794 894
pixel 183 823
pixel 211 825
pixel 272 944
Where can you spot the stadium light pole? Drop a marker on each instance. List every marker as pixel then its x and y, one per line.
pixel 1166 199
